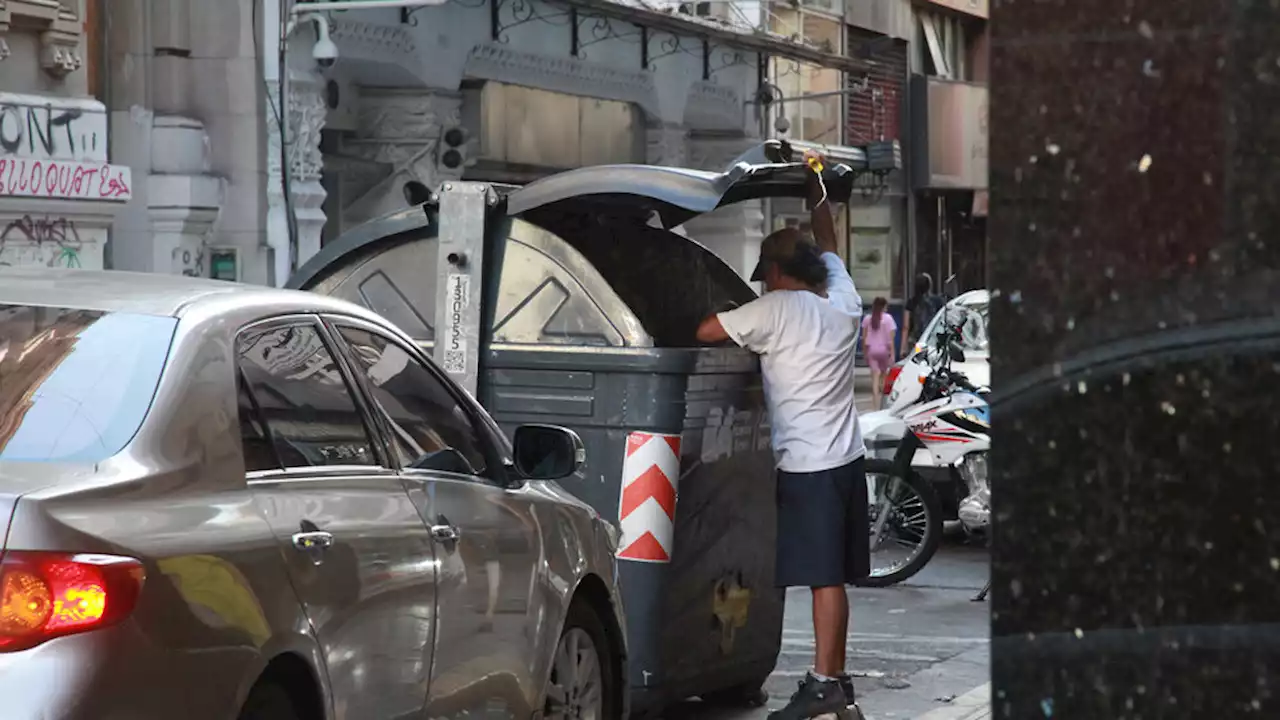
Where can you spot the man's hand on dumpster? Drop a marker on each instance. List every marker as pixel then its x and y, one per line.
pixel 711 331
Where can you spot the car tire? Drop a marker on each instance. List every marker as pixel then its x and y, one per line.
pixel 582 622
pixel 269 701
pixel 933 523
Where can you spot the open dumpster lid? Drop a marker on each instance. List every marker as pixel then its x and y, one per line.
pixel 678 194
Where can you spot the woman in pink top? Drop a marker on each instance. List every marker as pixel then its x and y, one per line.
pixel 878 329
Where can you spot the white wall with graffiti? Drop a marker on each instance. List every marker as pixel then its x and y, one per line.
pixel 58 192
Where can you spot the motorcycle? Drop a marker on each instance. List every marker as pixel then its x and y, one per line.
pixel 943 433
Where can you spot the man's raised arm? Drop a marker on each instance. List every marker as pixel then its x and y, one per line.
pixel 820 220
pixel 839 284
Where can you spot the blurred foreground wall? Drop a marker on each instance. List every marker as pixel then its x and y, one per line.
pixel 1135 220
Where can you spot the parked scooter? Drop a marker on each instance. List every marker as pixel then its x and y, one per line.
pixel 949 424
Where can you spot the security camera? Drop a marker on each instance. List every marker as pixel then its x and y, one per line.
pixel 324 52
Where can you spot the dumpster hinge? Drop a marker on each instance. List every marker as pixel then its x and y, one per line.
pixel 463 212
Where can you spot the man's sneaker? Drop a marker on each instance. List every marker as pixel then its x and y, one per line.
pixel 815 697
pixel 846 684
pixel 852 711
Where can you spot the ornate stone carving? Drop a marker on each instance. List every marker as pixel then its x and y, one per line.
pixel 305 118
pixel 363 39
pixel 399 129
pixel 405 116
pixel 59 27
pixel 59 54
pixel 495 61
pixel 306 115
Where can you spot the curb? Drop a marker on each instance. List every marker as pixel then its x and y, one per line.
pixel 973 705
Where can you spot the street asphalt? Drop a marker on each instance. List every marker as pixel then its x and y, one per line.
pixel 917 648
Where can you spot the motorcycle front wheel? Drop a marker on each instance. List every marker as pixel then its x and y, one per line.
pixel 906 523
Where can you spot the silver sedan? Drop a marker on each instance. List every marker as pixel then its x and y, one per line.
pixel 219 501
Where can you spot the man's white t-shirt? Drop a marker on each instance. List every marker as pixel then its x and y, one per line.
pixel 806 345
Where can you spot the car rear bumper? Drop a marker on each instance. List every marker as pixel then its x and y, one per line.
pixel 116 674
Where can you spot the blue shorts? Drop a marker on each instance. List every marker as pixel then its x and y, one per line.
pixel 824 534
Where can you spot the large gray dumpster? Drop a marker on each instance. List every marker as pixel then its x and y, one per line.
pixel 569 301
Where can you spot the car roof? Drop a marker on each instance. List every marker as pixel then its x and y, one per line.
pixel 147 293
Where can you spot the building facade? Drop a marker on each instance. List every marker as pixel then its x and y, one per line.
pixel 509 91
pixel 878 109
pixel 59 194
pixel 926 88
pixel 175 125
pixel 949 135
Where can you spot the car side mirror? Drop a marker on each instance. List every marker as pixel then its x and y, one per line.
pixel 547 452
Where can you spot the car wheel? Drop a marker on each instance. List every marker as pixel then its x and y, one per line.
pixel 582 682
pixel 269 701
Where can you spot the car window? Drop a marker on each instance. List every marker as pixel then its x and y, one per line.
pixel 428 427
pixel 75 385
pixel 259 454
pixel 305 404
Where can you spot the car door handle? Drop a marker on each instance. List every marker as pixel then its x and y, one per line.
pixel 446 533
pixel 313 540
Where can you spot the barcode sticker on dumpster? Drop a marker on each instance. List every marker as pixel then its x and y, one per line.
pixel 647 506
pixel 455 331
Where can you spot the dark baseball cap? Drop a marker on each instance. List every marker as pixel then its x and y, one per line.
pixel 781 247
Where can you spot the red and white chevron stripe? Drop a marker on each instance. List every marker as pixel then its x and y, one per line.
pixel 647 508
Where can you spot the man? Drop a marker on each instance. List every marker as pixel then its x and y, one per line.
pixel 923 304
pixel 805 329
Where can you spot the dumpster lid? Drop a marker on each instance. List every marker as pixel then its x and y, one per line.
pixel 679 194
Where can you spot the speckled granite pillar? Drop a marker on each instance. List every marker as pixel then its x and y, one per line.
pixel 1135 234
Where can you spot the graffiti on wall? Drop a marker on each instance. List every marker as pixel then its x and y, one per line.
pixel 70 179
pixel 51 149
pixel 189 259
pixel 48 241
pixel 47 132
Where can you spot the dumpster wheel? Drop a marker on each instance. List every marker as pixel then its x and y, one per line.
pixel 583 681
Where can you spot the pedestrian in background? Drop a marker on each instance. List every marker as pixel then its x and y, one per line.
pixel 878 330
pixel 921 307
pixel 805 329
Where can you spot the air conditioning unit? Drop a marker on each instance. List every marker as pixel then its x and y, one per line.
pixel 699 9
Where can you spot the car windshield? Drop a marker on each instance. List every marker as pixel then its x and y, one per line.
pixel 973 335
pixel 76 384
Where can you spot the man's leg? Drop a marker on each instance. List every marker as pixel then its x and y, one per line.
pixel 811 553
pixel 857 555
pixel 830 627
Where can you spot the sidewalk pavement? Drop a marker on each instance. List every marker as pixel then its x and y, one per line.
pixel 973 705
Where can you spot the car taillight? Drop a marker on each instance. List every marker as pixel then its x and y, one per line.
pixel 45 595
pixel 890 377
